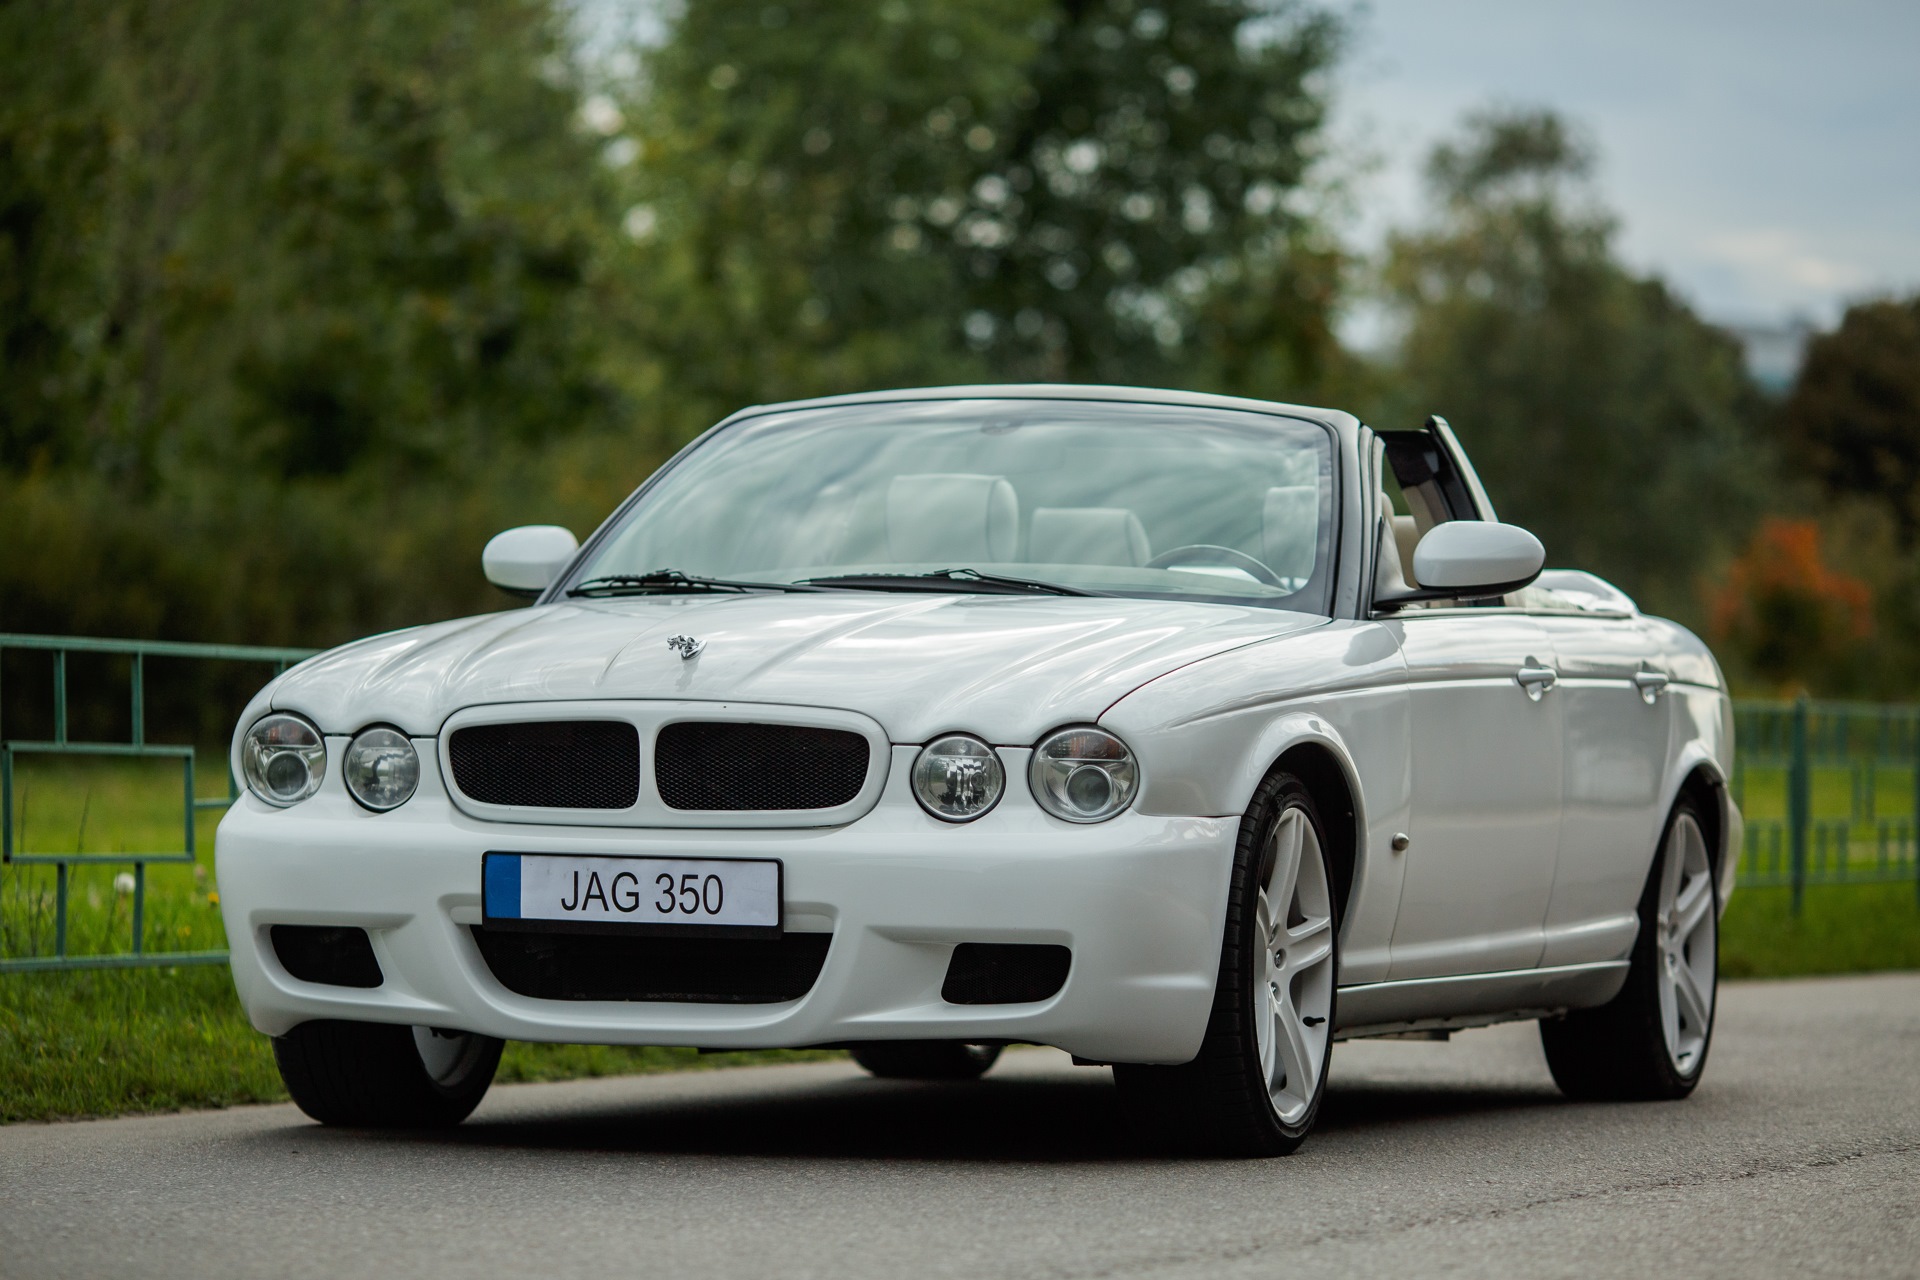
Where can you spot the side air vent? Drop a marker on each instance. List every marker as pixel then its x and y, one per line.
pixel 728 766
pixel 1005 973
pixel 548 764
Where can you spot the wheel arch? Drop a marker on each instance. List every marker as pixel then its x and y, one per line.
pixel 1328 776
pixel 1699 777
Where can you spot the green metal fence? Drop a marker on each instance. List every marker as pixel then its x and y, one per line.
pixel 1830 792
pixel 137 746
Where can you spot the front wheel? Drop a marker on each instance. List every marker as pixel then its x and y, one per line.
pixel 1650 1042
pixel 371 1075
pixel 1256 1086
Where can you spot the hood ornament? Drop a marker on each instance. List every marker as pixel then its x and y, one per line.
pixel 686 646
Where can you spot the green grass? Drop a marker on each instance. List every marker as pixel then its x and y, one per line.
pixel 1852 928
pixel 113 1041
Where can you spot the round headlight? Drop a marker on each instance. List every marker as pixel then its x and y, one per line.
pixel 1083 775
pixel 958 778
pixel 381 768
pixel 284 759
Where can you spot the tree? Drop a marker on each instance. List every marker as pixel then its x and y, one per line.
pixel 1601 411
pixel 885 192
pixel 1852 420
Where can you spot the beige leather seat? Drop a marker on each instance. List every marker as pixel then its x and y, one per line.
pixel 1087 535
pixel 953 520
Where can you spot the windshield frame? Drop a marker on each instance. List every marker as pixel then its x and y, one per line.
pixel 1336 532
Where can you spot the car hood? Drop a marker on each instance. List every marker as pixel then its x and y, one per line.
pixel 1008 668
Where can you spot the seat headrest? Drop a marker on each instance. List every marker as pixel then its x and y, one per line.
pixel 1290 529
pixel 1087 535
pixel 952 520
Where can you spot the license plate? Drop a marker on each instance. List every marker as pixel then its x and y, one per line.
pixel 653 895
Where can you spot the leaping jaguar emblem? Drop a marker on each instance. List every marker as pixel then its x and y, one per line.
pixel 686 646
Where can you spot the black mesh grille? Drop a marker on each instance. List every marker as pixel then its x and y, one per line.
pixel 706 765
pixel 1005 972
pixel 587 966
pixel 550 764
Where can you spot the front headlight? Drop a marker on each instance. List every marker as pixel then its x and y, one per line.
pixel 381 768
pixel 1083 775
pixel 284 758
pixel 958 778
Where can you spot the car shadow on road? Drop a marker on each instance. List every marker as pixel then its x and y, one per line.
pixel 1019 1120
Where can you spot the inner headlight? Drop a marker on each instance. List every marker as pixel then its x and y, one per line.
pixel 381 768
pixel 958 778
pixel 1083 775
pixel 284 758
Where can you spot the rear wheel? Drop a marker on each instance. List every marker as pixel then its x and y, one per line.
pixel 1650 1042
pixel 1256 1086
pixel 370 1075
pixel 926 1059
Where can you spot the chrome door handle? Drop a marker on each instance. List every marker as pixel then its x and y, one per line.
pixel 1651 685
pixel 1536 680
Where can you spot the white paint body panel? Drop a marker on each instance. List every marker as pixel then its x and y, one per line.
pixel 1531 822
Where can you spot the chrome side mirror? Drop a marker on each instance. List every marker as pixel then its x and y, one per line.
pixel 524 561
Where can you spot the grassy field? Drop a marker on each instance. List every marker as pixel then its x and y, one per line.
pixel 109 1041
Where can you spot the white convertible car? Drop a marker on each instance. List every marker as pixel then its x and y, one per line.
pixel 1187 734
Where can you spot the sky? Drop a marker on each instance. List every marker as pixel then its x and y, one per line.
pixel 1763 157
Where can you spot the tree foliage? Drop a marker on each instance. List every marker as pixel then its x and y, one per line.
pixel 1852 420
pixel 1601 411
pixel 1015 189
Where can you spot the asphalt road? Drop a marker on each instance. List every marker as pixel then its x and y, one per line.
pixel 1799 1155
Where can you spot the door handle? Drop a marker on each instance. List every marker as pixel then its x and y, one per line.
pixel 1651 685
pixel 1536 679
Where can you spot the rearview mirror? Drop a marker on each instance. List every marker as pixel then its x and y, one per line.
pixel 524 561
pixel 1477 557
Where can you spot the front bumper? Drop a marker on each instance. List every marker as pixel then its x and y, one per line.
pixel 1139 900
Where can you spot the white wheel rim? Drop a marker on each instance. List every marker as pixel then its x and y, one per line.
pixel 1293 972
pixel 1684 936
pixel 441 1054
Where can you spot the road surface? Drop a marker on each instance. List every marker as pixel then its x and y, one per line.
pixel 1799 1155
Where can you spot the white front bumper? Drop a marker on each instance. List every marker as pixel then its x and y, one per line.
pixel 1139 900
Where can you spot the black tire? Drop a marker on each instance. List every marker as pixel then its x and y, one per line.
pixel 926 1059
pixel 370 1075
pixel 1221 1102
pixel 1621 1051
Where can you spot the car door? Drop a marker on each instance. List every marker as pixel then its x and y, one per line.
pixel 1487 754
pixel 1618 725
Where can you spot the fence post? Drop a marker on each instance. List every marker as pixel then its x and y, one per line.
pixel 1799 800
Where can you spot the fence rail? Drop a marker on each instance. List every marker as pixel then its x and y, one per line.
pixel 1831 793
pixel 136 747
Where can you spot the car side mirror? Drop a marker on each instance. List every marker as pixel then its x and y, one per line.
pixel 1471 558
pixel 1478 556
pixel 524 561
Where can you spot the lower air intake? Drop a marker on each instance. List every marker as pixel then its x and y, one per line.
pixel 339 956
pixel 1005 973
pixel 671 970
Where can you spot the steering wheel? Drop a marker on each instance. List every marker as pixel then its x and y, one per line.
pixel 1207 553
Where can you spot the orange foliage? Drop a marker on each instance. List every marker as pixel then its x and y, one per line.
pixel 1784 608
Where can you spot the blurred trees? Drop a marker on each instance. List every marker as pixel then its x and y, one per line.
pixel 1602 413
pixel 893 193
pixel 1853 417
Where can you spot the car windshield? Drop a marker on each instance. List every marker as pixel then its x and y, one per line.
pixel 1088 496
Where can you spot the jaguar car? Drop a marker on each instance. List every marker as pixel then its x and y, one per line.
pixel 1183 733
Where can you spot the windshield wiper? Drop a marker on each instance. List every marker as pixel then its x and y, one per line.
pixel 665 581
pixel 969 580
